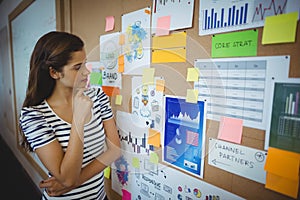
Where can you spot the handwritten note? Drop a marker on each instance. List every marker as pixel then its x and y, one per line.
pixel 242 43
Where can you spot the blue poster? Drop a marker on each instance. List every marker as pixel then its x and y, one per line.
pixel 184 135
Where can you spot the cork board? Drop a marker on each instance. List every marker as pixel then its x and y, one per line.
pixel 87 20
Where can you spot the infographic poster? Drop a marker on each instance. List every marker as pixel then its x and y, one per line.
pixel 184 135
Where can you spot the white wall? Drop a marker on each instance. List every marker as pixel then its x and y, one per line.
pixel 7 116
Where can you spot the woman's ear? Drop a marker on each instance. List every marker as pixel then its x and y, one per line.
pixel 53 73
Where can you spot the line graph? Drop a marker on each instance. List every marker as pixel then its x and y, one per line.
pixel 265 8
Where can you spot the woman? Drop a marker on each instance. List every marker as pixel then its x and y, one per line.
pixel 66 124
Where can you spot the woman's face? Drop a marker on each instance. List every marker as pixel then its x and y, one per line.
pixel 75 74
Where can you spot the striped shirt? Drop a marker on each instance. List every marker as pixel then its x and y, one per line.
pixel 41 126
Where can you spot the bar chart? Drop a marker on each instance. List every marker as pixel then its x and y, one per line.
pixel 232 16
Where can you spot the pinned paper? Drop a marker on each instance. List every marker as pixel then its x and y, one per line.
pixel 110 23
pixel 282 171
pixel 230 129
pixel 121 63
pixel 280 28
pixel 118 99
pixel 126 195
pixel 191 96
pixel 154 158
pixel 136 162
pixel 163 26
pixel 192 74
pixel 154 138
pixel 107 172
pixel 169 55
pixel 160 85
pixel 148 76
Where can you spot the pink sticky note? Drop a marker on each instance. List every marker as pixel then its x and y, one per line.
pixel 163 25
pixel 126 195
pixel 231 129
pixel 110 23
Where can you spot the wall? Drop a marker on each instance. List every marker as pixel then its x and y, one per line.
pixel 88 21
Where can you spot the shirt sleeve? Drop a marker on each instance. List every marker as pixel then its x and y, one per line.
pixel 35 128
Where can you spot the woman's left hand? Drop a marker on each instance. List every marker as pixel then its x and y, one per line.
pixel 54 187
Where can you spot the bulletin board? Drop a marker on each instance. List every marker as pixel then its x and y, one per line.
pixel 27 23
pixel 88 22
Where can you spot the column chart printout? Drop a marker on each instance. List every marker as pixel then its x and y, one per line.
pixel 240 87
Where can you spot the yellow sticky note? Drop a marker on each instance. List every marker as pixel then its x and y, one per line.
pixel 191 96
pixel 148 76
pixel 280 28
pixel 160 85
pixel 154 138
pixel 173 40
pixel 169 55
pixel 154 158
pixel 118 99
pixel 136 162
pixel 107 172
pixel 192 74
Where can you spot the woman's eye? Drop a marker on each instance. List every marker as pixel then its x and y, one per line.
pixel 77 67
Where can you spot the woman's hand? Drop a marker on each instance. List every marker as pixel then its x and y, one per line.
pixel 54 187
pixel 82 105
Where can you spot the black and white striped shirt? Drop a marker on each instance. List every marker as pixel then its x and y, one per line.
pixel 41 126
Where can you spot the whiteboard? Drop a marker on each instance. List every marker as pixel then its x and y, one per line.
pixel 31 22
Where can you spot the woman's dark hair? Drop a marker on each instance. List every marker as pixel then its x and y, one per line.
pixel 54 49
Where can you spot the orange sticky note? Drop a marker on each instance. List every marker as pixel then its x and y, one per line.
pixel 110 23
pixel 110 90
pixel 160 85
pixel 282 171
pixel 121 63
pixel 154 137
pixel 121 39
pixel 230 129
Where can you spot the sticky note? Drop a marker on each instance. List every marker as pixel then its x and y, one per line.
pixel 280 28
pixel 192 74
pixel 148 76
pixel 160 85
pixel 154 158
pixel 163 25
pixel 122 39
pixel 282 171
pixel 96 78
pixel 126 195
pixel 121 63
pixel 118 100
pixel 107 172
pixel 230 129
pixel 136 162
pixel 191 96
pixel 154 137
pixel 110 23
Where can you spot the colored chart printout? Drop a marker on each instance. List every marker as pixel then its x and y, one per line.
pixel 184 135
pixel 239 87
pixel 224 16
pixel 136 49
pixel 109 53
pixel 285 118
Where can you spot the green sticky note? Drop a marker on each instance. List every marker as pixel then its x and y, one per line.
pixel 107 172
pixel 154 158
pixel 96 78
pixel 241 43
pixel 136 162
